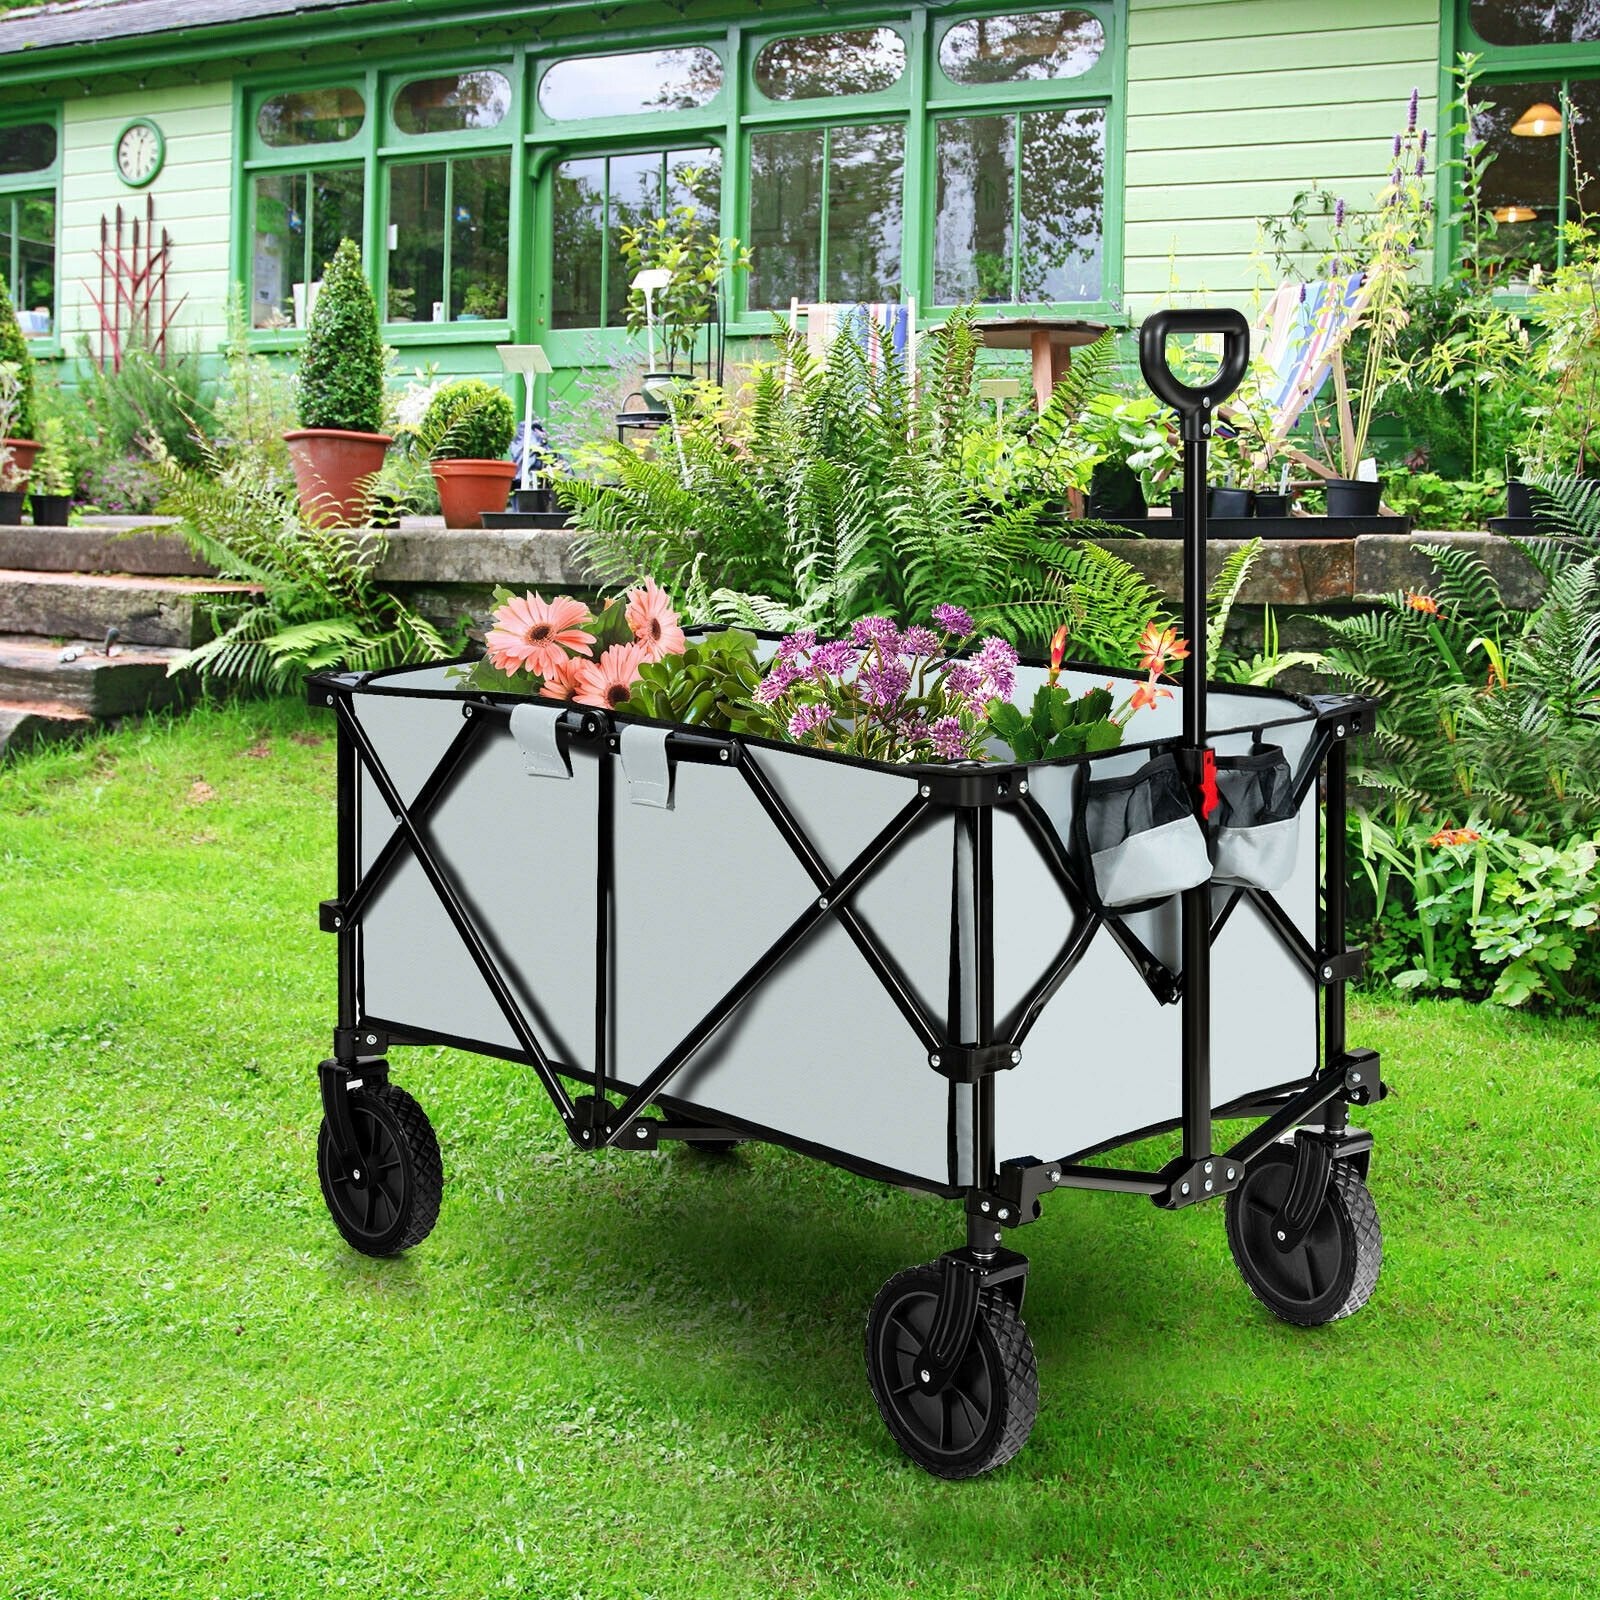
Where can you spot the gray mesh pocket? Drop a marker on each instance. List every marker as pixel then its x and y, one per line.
pixel 1140 836
pixel 1256 826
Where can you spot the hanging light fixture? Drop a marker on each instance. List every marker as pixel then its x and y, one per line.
pixel 1514 214
pixel 1539 121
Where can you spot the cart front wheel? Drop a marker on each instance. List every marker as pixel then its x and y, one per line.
pixel 985 1414
pixel 390 1199
pixel 1332 1272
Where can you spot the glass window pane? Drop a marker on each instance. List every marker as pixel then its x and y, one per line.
pixel 635 200
pixel 416 242
pixel 336 213
pixel 27 147
pixel 1535 21
pixel 7 238
pixel 859 62
pixel 480 223
pixel 1063 205
pixel 459 102
pixel 577 240
pixel 35 288
pixel 1038 44
pixel 865 169
pixel 278 248
pixel 619 86
pixel 972 244
pixel 1522 187
pixel 311 116
pixel 785 216
pixel 1583 173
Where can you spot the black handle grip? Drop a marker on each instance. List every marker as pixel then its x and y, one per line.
pixel 1184 398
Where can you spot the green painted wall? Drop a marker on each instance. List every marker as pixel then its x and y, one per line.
pixel 1235 105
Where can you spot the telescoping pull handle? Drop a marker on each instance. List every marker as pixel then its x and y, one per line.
pixel 1195 406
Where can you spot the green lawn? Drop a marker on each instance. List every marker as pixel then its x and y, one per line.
pixel 642 1376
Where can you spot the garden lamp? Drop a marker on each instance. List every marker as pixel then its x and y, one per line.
pixel 1514 214
pixel 649 283
pixel 1540 121
pixel 531 361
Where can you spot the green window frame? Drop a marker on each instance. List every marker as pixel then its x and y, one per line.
pixel 18 193
pixel 1502 66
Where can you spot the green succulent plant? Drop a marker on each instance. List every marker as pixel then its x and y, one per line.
pixel 1058 724
pixel 712 684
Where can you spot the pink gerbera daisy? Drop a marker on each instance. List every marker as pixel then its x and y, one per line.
pixel 609 681
pixel 536 634
pixel 565 679
pixel 654 622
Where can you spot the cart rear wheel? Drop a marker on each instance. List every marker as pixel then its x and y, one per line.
pixel 391 1200
pixel 1332 1272
pixel 985 1415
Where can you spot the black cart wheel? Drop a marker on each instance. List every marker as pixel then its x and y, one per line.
pixel 703 1147
pixel 985 1415
pixel 389 1201
pixel 1332 1272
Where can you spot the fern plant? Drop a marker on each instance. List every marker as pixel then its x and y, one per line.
pixel 318 607
pixel 1487 710
pixel 843 490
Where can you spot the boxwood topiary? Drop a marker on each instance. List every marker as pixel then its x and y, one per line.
pixel 341 368
pixel 14 348
pixel 469 420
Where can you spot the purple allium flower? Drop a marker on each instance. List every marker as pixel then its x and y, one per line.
pixel 954 620
pixel 798 644
pixel 1411 110
pixel 870 630
pixel 1338 212
pixel 966 682
pixel 1397 147
pixel 777 683
pixel 808 719
pixel 997 661
pixel 833 660
pixel 885 684
pixel 949 741
pixel 919 641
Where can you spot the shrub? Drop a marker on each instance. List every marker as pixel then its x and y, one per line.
pixel 470 420
pixel 14 348
pixel 341 368
pixel 153 401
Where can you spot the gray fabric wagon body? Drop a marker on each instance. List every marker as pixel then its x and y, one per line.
pixel 819 1055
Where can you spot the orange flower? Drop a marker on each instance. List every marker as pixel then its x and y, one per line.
pixel 1058 651
pixel 1447 836
pixel 608 681
pixel 564 680
pixel 1425 603
pixel 1147 694
pixel 536 634
pixel 1159 647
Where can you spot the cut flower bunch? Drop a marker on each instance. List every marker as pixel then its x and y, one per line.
pixel 923 693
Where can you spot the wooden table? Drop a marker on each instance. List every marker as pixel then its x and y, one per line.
pixel 1051 340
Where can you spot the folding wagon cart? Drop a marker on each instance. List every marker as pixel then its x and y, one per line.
pixel 1021 966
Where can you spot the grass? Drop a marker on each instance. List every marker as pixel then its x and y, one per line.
pixel 642 1376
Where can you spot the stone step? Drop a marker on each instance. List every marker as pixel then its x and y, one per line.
pixel 25 724
pixel 133 680
pixel 144 610
pixel 102 544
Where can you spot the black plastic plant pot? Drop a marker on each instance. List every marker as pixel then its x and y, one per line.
pixel 1519 500
pixel 1271 505
pixel 1175 504
pixel 1116 493
pixel 50 510
pixel 10 510
pixel 531 502
pixel 1353 497
pixel 1232 502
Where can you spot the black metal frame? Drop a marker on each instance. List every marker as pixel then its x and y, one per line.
pixel 997 1196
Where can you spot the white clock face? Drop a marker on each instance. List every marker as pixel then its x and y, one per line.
pixel 139 153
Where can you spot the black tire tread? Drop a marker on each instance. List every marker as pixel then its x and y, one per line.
pixel 425 1184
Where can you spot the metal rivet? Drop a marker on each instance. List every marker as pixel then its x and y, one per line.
pixel 1355 1077
pixel 355 1172
pixel 1055 1175
pixel 933 1061
pixel 925 1375
pixel 466 711
pixel 722 755
pixel 1022 788
pixel 1282 1234
pixel 1004 1213
pixel 1184 1189
pixel 1208 1166
pixel 1209 1186
pixel 1206 428
pixel 997 1238
pixel 1338 732
pixel 338 922
pixel 822 905
pixel 925 790
pixel 372 1038
pixel 1230 1172
pixel 330 699
pixel 585 1135
pixel 642 1131
pixel 983 1205
pixel 1327 972
pixel 1016 1056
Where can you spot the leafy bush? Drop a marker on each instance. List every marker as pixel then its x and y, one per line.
pixel 342 365
pixel 14 349
pixel 1443 503
pixel 121 486
pixel 319 606
pixel 254 407
pixel 469 420
pixel 154 403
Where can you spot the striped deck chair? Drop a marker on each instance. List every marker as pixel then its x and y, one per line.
pixel 877 326
pixel 1301 337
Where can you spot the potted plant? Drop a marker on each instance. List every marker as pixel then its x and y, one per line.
pixel 16 429
pixel 338 447
pixel 1127 434
pixel 402 303
pixel 50 486
pixel 471 423
pixel 482 303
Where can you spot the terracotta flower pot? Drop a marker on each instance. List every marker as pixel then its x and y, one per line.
pixel 469 488
pixel 22 453
pixel 331 466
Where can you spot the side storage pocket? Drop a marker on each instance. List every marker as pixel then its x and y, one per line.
pixel 1257 827
pixel 1140 836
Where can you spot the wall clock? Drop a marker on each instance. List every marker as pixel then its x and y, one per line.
pixel 139 152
